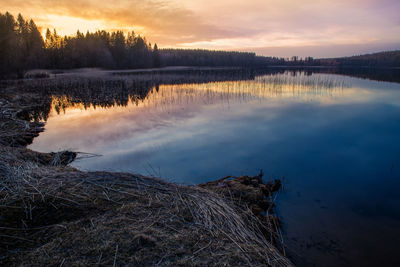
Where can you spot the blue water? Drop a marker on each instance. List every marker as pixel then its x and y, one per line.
pixel 333 139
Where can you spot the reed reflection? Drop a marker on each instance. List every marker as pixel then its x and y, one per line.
pixel 109 89
pixel 174 96
pixel 95 125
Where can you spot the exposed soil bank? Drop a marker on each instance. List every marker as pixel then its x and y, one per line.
pixel 52 214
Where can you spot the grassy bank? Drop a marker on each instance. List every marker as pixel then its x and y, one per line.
pixel 53 214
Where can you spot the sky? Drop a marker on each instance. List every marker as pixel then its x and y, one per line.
pixel 284 28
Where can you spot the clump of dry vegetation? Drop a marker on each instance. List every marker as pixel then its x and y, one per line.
pixel 256 195
pixel 52 214
pixel 56 214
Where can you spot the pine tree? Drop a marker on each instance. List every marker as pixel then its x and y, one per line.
pixel 156 57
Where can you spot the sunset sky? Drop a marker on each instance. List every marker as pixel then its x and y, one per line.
pixel 319 28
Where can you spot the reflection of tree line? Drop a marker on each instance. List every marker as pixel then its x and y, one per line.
pixel 155 90
pixel 108 91
pixel 382 74
pixel 160 90
pixel 177 92
pixel 230 92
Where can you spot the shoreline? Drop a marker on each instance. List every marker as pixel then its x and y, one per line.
pixel 55 214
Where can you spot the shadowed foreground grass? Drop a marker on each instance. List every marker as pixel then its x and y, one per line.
pixel 57 214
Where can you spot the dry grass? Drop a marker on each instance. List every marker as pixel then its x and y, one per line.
pixel 53 215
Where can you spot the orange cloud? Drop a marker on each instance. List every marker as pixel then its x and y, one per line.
pixel 161 21
pixel 253 25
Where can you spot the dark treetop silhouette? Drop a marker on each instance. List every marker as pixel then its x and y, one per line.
pixel 22 48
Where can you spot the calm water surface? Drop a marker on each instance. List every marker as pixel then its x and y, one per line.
pixel 335 139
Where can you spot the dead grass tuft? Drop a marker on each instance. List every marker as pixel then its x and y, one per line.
pixel 54 214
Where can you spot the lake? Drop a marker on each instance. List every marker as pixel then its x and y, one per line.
pixel 333 139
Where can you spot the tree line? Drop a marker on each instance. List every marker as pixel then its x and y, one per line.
pixel 22 48
pixel 21 44
pixel 210 58
pixel 387 59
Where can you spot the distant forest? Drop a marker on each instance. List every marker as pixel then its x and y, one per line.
pixel 22 48
pixel 389 59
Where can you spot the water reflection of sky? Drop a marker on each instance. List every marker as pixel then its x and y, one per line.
pixel 334 138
